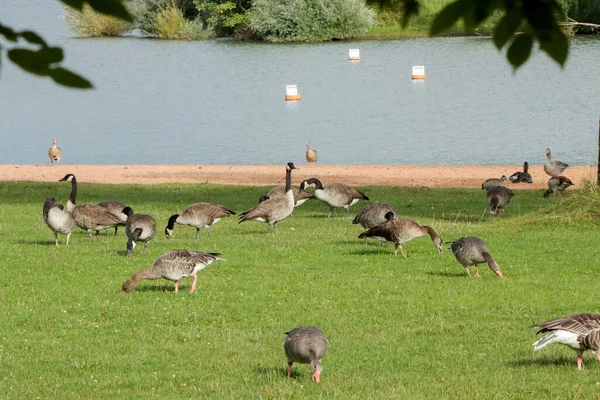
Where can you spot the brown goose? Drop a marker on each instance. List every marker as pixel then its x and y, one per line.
pixel 274 209
pixel 311 154
pixel 557 184
pixel 374 214
pixel 403 230
pixel 491 182
pixel 524 176
pixel 54 153
pixel 553 167
pixel 498 198
pixel 306 345
pixel 117 208
pixel 139 228
pixel 578 331
pixel 173 266
pixel 57 219
pixel 89 217
pixel 336 194
pixel 198 215
pixel 471 250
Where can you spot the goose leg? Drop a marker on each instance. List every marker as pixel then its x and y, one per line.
pixel 90 234
pixel 176 286
pixel 145 245
pixel 268 228
pixel 275 225
pixel 476 271
pixel 289 372
pixel 402 250
pixel 468 272
pixel 365 236
pixel 396 249
pixel 116 228
pixel 347 210
pixel 193 289
pixel 330 210
pixel 197 233
pixel 56 238
pixel 68 237
pixel 579 362
pixel 208 230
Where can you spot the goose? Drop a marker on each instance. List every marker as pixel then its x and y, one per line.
pixel 311 154
pixel 578 331
pixel 374 214
pixel 90 217
pixel 54 153
pixel 57 219
pixel 491 182
pixel 117 208
pixel 306 345
pixel 557 184
pixel 173 266
pixel 553 167
pixel 274 209
pixel 524 176
pixel 498 198
pixel 402 230
pixel 139 228
pixel 198 215
pixel 300 195
pixel 471 250
pixel 336 194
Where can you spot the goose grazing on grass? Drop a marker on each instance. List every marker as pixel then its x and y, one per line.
pixel 198 215
pixel 578 331
pixel 311 154
pixel 557 184
pixel 524 176
pixel 173 266
pixel 335 194
pixel 117 208
pixel 306 345
pixel 89 217
pixel 274 209
pixel 553 167
pixel 374 214
pixel 139 228
pixel 57 219
pixel 491 182
pixel 471 250
pixel 402 230
pixel 54 153
pixel 498 198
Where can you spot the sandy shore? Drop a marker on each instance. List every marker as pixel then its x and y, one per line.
pixel 258 175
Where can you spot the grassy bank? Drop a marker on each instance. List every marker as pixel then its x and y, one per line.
pixel 398 328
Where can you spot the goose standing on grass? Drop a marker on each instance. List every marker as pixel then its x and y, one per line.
pixel 117 208
pixel 306 345
pixel 524 176
pixel 374 214
pixel 139 228
pixel 471 250
pixel 578 331
pixel 311 154
pixel 57 219
pixel 491 182
pixel 300 195
pixel 402 230
pixel 89 217
pixel 557 184
pixel 173 266
pixel 553 167
pixel 498 198
pixel 336 194
pixel 54 153
pixel 198 215
pixel 274 209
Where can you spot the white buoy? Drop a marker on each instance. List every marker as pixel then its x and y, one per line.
pixel 418 72
pixel 291 93
pixel 354 55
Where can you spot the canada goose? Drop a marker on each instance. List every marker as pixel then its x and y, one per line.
pixel 374 214
pixel 58 219
pixel 402 230
pixel 139 228
pixel 306 345
pixel 471 250
pixel 491 182
pixel 557 184
pixel 198 215
pixel 273 209
pixel 116 207
pixel 173 266
pixel 498 198
pixel 578 331
pixel 336 194
pixel 311 154
pixel 524 176
pixel 90 217
pixel 54 153
pixel 552 167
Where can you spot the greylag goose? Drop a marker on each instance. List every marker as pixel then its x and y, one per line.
pixel 139 228
pixel 578 331
pixel 198 215
pixel 471 250
pixel 402 230
pixel 54 153
pixel 173 266
pixel 374 214
pixel 306 345
pixel 524 176
pixel 57 219
pixel 491 182
pixel 311 154
pixel 273 209
pixel 557 184
pixel 117 208
pixel 89 217
pixel 336 194
pixel 553 167
pixel 498 198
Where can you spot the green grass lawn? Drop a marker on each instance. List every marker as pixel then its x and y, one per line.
pixel 414 327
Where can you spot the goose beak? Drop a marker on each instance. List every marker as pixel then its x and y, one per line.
pixel 440 249
pixel 499 273
pixel 122 291
pixel 316 377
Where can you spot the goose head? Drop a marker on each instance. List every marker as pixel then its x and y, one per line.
pixel 128 211
pixel 54 142
pixel 439 244
pixel 548 153
pixel 315 370
pixel 290 166
pixel 130 246
pixel 307 145
pixel 389 216
pixel 67 178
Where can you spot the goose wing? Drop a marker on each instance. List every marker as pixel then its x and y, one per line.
pixel 581 324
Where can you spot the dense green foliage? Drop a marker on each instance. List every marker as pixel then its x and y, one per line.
pixel 414 327
pixel 88 22
pixel 582 11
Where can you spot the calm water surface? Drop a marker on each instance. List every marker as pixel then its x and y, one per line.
pixel 222 102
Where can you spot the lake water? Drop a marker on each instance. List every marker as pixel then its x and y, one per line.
pixel 222 101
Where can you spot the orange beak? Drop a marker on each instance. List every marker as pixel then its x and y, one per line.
pixel 122 291
pixel 316 377
pixel 499 273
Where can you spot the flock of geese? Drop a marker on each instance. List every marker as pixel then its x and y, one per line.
pixel 379 220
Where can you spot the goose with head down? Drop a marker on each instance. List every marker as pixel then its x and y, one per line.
pixel 306 345
pixel 558 184
pixel 471 250
pixel 57 219
pixel 491 182
pixel 139 228
pixel 198 215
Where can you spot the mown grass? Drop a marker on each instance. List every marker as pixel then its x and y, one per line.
pixel 398 328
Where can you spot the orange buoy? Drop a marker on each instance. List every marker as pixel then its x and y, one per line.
pixel 418 73
pixel 291 93
pixel 293 97
pixel 354 55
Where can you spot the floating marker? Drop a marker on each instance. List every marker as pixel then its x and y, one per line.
pixel 418 72
pixel 354 55
pixel 291 93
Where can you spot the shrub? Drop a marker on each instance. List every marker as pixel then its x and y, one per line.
pixel 170 23
pixel 88 22
pixel 581 11
pixel 223 17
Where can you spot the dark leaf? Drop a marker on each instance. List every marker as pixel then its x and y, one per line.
pixel 111 7
pixel 50 55
pixel 507 27
pixel 76 4
pixel 448 16
pixel 519 50
pixel 33 37
pixel 29 60
pixel 8 33
pixel 411 8
pixel 557 48
pixel 67 78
